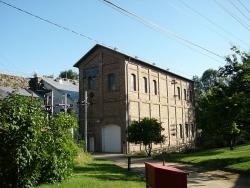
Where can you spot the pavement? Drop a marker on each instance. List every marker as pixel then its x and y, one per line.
pixel 197 177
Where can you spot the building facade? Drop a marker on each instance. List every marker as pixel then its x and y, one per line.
pixel 121 89
pixel 62 94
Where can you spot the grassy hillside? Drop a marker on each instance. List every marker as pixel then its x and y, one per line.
pixel 237 160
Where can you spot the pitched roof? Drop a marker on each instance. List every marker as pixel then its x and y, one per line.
pixel 61 84
pixel 128 57
pixel 5 91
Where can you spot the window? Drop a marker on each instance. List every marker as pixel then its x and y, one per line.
pixel 179 93
pixel 91 72
pixel 190 95
pixel 111 82
pixel 145 84
pixel 192 129
pixel 155 87
pixel 181 131
pixel 133 82
pixel 186 127
pixel 91 83
pixel 185 94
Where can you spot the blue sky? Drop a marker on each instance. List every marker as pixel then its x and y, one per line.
pixel 28 45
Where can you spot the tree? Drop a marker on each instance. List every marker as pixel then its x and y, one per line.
pixel 70 74
pixel 209 79
pixel 234 131
pixel 34 146
pixel 225 103
pixel 146 132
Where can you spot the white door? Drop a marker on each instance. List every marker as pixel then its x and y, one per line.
pixel 111 139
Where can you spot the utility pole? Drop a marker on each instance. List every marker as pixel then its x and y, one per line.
pixel 86 120
pixel 65 103
pixel 52 102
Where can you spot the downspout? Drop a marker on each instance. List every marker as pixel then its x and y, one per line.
pixel 127 105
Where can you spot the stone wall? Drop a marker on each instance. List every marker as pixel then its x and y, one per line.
pixel 13 81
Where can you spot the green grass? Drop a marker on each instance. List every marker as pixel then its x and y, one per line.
pixel 90 173
pixel 237 160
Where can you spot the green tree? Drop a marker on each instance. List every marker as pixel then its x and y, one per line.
pixel 226 102
pixel 146 132
pixel 70 74
pixel 34 147
pixel 208 79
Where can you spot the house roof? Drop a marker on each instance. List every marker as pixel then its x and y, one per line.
pixel 61 84
pixel 5 91
pixel 128 57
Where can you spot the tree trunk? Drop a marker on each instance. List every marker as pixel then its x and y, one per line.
pixel 148 149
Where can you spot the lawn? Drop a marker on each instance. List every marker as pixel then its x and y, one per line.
pixel 99 174
pixel 237 160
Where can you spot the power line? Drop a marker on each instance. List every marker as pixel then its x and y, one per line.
pixel 237 8
pixel 96 41
pixel 157 27
pixel 232 15
pixel 212 22
pixel 226 38
pixel 50 22
pixel 244 6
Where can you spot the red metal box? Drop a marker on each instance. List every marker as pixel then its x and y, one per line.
pixel 159 176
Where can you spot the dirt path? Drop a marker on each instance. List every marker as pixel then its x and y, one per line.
pixel 196 178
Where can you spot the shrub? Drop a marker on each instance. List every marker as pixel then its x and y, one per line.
pixel 147 131
pixel 34 147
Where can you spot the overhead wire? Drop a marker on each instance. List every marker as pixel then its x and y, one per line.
pixel 245 7
pixel 239 10
pixel 158 28
pixel 212 22
pixel 123 11
pixel 180 10
pixel 52 23
pixel 236 18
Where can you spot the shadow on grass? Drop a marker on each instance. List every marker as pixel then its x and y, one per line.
pixel 178 156
pixel 222 164
pixel 108 172
pixel 219 164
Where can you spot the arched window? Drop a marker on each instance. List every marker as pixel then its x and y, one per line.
pixel 133 82
pixel 179 93
pixel 187 130
pixel 185 94
pixel 181 131
pixel 155 87
pixel 192 129
pixel 111 82
pixel 145 84
pixel 190 95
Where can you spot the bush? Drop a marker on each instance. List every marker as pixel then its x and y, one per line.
pixel 146 132
pixel 34 147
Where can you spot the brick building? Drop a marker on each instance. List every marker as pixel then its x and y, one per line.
pixel 121 89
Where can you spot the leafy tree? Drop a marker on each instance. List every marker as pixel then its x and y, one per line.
pixel 34 147
pixel 225 103
pixel 234 131
pixel 147 132
pixel 209 79
pixel 70 74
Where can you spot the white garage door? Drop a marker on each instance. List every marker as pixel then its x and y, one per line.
pixel 111 139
